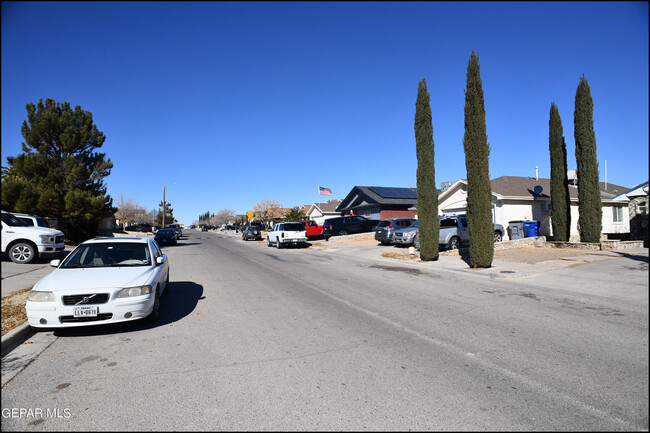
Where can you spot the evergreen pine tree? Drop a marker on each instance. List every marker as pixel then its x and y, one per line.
pixel 477 150
pixel 60 172
pixel 590 206
pixel 427 194
pixel 560 199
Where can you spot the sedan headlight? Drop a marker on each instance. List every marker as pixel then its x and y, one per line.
pixel 41 296
pixel 134 291
pixel 409 234
pixel 47 239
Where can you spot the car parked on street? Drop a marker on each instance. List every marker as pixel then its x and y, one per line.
pixel 166 237
pixel 386 229
pixel 290 233
pixel 204 228
pixel 253 231
pixel 177 228
pixel 23 243
pixel 103 280
pixel 349 224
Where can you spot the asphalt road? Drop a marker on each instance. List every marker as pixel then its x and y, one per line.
pixel 255 338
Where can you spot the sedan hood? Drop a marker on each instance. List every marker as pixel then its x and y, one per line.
pixel 96 278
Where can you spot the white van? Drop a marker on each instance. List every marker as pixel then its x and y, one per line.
pixel 24 243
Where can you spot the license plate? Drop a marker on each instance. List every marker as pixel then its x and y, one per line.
pixel 86 311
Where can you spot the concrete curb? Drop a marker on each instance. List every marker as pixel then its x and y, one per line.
pixel 15 338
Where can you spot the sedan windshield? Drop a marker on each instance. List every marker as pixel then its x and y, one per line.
pixel 166 232
pixel 108 254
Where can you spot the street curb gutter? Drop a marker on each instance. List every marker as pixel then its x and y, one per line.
pixel 15 338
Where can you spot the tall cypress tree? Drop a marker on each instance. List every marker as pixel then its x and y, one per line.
pixel 477 150
pixel 590 206
pixel 429 222
pixel 560 199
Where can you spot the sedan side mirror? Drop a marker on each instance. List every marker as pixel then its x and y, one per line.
pixel 55 263
pixel 160 260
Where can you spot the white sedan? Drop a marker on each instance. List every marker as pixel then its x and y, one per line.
pixel 104 280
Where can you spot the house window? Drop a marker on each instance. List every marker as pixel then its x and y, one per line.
pixel 641 208
pixel 618 214
pixel 367 213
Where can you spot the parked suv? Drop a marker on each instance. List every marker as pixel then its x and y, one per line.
pixel 406 235
pixel 349 224
pixel 386 228
pixel 23 243
pixel 291 233
pixel 253 231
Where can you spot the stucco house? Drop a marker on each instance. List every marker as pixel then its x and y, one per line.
pixel 379 202
pixel 319 212
pixel 516 198
pixel 637 199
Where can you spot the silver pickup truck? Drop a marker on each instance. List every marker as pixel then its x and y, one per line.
pixel 454 234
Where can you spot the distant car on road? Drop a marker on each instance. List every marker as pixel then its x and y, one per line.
pixel 386 229
pixel 104 280
pixel 166 237
pixel 204 228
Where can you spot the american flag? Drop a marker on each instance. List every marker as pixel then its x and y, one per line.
pixel 324 191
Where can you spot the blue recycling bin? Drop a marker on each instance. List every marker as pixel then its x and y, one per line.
pixel 531 228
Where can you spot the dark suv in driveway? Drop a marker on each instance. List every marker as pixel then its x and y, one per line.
pixel 349 224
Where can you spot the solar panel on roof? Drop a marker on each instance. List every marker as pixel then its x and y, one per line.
pixel 385 192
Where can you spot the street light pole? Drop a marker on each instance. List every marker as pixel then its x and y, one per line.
pixel 163 209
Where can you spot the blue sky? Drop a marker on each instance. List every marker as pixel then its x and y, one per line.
pixel 243 102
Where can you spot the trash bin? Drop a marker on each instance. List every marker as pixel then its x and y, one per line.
pixel 515 229
pixel 531 228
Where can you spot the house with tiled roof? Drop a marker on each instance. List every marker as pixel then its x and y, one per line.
pixel 517 198
pixel 321 211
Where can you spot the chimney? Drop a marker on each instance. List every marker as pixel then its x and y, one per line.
pixel 536 173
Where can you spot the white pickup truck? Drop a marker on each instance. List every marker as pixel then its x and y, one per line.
pixel 292 233
pixel 24 243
